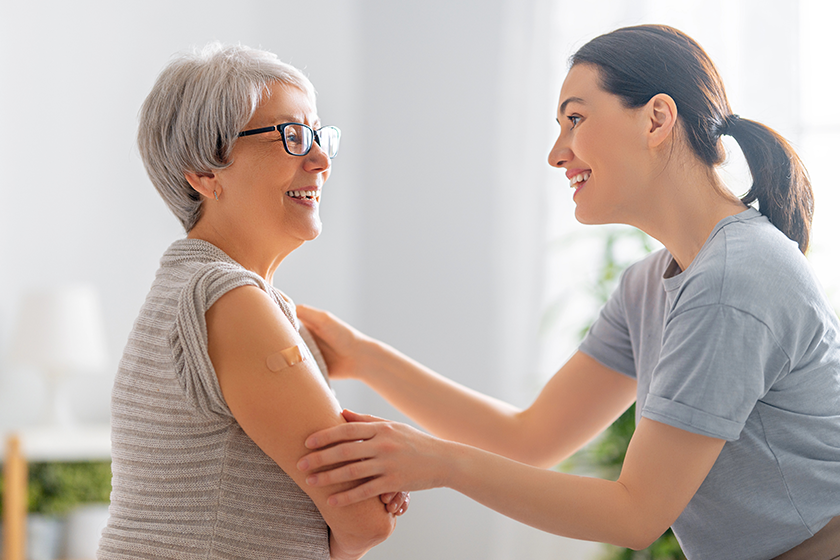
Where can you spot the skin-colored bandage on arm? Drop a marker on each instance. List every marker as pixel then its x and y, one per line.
pixel 285 358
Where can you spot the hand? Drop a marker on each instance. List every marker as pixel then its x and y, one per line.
pixel 385 456
pixel 396 503
pixel 339 342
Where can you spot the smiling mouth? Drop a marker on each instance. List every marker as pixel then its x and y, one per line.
pixel 314 195
pixel 578 180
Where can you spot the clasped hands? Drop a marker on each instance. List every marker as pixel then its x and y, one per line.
pixel 387 459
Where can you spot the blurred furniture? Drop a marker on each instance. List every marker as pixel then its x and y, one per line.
pixel 14 501
pixel 60 333
pixel 79 443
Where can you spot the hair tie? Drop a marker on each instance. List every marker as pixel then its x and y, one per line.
pixel 728 124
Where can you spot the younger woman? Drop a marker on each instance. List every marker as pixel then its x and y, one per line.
pixel 724 340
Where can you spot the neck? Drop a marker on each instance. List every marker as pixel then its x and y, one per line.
pixel 689 203
pixel 249 248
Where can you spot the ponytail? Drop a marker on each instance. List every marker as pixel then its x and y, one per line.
pixel 780 182
pixel 636 63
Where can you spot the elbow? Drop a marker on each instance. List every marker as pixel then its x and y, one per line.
pixel 535 454
pixel 374 529
pixel 640 542
pixel 382 529
pixel 641 536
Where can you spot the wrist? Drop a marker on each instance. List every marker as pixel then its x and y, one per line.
pixel 458 466
pixel 371 359
pixel 452 463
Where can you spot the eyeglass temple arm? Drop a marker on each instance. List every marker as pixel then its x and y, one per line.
pixel 257 131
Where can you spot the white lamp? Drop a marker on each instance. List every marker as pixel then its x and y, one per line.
pixel 60 331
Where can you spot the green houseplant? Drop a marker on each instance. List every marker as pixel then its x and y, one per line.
pixel 621 247
pixel 56 488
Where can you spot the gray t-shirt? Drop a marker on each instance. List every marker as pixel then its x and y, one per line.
pixel 744 346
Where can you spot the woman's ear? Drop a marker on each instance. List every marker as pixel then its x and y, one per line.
pixel 204 184
pixel 661 112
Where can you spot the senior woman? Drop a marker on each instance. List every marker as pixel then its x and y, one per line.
pixel 219 384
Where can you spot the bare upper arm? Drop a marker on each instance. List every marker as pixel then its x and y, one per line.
pixel 580 401
pixel 279 409
pixel 663 469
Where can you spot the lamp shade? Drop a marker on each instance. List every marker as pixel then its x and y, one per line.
pixel 61 330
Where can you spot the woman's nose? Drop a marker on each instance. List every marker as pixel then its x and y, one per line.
pixel 560 153
pixel 317 159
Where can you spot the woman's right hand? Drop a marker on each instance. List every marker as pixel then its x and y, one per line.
pixel 380 455
pixel 340 344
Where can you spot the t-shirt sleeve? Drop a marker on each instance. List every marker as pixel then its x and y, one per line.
pixel 716 363
pixel 608 339
pixel 188 338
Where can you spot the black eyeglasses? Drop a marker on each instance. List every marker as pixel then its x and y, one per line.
pixel 297 137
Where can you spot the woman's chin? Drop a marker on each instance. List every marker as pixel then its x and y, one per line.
pixel 585 218
pixel 312 232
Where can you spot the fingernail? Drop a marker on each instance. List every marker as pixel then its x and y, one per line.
pixel 311 443
pixel 303 464
pixel 332 500
pixel 311 479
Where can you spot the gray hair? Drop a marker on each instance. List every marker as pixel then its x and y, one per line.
pixel 192 117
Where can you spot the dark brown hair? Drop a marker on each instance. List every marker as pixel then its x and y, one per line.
pixel 636 63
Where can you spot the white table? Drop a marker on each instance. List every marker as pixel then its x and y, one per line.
pixel 41 444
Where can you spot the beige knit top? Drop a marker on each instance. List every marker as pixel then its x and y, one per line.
pixel 187 482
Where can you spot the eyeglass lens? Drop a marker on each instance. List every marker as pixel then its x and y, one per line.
pixel 328 140
pixel 299 137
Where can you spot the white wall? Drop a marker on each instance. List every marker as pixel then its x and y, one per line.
pixel 432 221
pixel 76 205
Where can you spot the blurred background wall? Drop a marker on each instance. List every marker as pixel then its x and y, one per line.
pixel 441 209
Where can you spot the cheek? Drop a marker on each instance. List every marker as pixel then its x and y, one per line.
pixel 608 151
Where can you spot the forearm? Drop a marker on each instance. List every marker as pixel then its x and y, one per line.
pixel 442 406
pixel 357 528
pixel 577 507
pixel 663 469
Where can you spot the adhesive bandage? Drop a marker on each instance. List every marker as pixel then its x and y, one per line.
pixel 285 358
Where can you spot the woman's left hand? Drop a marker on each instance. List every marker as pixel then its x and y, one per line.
pixel 339 343
pixel 385 456
pixel 396 503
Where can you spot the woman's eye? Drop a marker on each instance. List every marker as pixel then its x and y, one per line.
pixel 292 137
pixel 574 120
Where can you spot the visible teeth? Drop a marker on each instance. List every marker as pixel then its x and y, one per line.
pixel 303 194
pixel 579 178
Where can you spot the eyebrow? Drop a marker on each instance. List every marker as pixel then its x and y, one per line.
pixel 570 100
pixel 316 124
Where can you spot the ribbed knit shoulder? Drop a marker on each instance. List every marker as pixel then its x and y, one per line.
pixel 188 483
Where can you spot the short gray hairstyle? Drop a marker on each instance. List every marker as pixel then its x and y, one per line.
pixel 192 117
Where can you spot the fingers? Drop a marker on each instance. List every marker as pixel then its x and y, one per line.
pixel 351 416
pixel 314 318
pixel 310 316
pixel 387 497
pixel 404 507
pixel 358 494
pixel 357 470
pixel 342 453
pixel 345 432
pixel 398 504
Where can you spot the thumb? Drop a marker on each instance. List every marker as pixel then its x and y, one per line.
pixel 307 315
